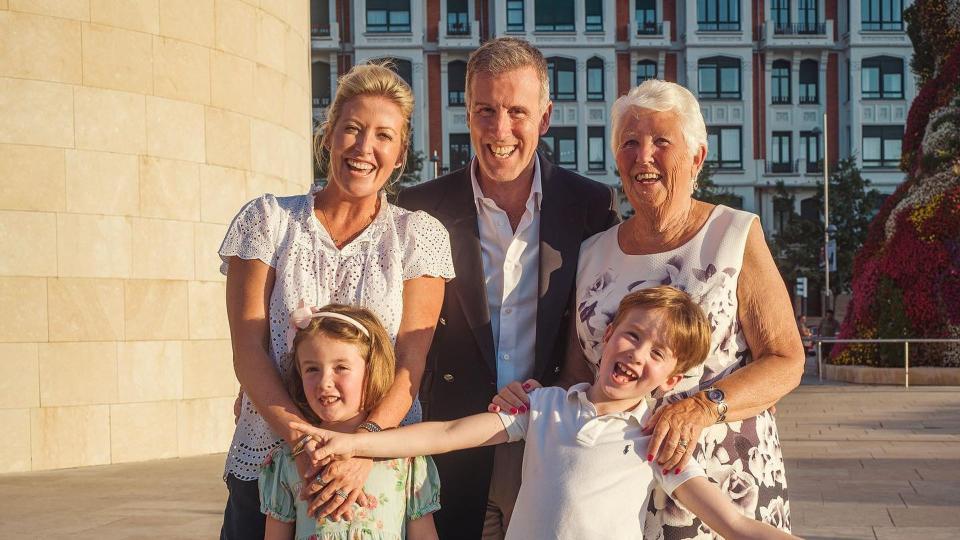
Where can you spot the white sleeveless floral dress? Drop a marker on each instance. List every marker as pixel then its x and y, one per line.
pixel 742 457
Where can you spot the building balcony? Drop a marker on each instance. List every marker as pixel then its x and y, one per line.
pixel 797 34
pixel 649 35
pixel 459 35
pixel 787 167
pixel 325 37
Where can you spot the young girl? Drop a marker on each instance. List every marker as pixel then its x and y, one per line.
pixel 342 366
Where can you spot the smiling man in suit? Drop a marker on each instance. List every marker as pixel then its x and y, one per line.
pixel 516 223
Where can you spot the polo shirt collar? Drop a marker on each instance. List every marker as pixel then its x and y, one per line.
pixel 637 414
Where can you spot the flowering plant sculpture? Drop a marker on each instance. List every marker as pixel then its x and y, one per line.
pixel 907 274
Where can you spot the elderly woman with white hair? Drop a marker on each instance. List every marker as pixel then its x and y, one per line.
pixel 720 413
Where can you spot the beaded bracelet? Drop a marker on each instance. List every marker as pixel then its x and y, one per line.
pixel 372 427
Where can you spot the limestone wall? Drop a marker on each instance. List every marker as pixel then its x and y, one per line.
pixel 130 134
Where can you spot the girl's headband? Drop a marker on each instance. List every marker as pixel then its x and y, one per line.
pixel 301 317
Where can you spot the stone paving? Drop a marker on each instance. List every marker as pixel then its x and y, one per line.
pixel 863 462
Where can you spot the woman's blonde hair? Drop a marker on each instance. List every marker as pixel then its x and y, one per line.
pixel 378 79
pixel 377 351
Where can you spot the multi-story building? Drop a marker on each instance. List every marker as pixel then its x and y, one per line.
pixel 766 74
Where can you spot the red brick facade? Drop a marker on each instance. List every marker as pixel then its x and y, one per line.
pixel 623 73
pixel 670 67
pixel 670 14
pixel 623 20
pixel 433 20
pixel 759 106
pixel 433 105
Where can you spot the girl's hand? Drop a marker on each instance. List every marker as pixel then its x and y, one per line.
pixel 512 398
pixel 326 445
pixel 680 421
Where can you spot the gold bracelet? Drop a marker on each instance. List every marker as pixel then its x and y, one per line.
pixel 300 446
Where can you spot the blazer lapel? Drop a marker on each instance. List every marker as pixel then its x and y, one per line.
pixel 469 284
pixel 561 222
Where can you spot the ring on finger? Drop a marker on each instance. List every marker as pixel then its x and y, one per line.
pixel 683 443
pixel 340 493
pixel 319 480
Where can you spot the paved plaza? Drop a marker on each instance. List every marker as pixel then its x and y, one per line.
pixel 862 462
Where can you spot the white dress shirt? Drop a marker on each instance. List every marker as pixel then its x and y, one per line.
pixel 511 264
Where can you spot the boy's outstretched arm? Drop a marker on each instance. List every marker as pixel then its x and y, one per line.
pixel 410 441
pixel 706 500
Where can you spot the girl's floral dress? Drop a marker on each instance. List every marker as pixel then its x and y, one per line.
pixel 742 457
pixel 398 490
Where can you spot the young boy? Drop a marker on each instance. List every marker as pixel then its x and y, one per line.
pixel 584 468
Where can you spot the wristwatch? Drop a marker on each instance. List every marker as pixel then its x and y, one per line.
pixel 716 396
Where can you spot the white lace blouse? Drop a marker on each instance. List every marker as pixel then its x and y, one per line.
pixel 284 233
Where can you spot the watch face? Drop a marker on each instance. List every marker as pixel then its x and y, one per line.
pixel 715 395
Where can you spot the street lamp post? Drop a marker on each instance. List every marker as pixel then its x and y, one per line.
pixel 826 223
pixel 435 159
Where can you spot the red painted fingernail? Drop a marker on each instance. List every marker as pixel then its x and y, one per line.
pixel 665 471
pixel 513 410
pixel 523 409
pixel 649 457
pixel 526 386
pixel 677 471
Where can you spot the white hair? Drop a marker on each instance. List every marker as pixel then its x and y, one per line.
pixel 662 96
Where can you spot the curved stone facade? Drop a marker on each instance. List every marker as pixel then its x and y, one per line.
pixel 131 133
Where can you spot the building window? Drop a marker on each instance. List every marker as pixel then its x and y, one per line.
pixel 809 16
pixel 562 145
pixel 646 69
pixel 321 84
pixel 882 78
pixel 646 13
pixel 515 16
pixel 458 21
pixel 718 15
pixel 594 14
pixel 809 82
pixel 881 146
pixel 780 152
pixel 320 18
pixel 881 15
pixel 724 147
pixel 388 15
pixel 596 149
pixel 403 68
pixel 456 82
pixel 780 14
pixel 780 82
pixel 848 90
pixel 595 79
pixel 562 74
pixel 719 78
pixel 810 151
pixel 459 150
pixel 554 16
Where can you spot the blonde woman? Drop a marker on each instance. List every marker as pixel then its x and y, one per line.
pixel 344 244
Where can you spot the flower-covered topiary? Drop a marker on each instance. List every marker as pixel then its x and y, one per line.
pixel 907 274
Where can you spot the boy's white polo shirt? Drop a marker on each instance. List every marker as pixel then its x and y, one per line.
pixel 584 476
